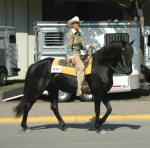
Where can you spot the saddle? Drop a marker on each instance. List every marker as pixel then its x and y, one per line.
pixel 65 62
pixel 63 66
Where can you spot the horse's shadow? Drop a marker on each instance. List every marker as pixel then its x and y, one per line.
pixel 88 125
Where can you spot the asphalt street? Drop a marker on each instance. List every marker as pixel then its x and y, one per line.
pixel 119 134
pixel 127 127
pixel 79 108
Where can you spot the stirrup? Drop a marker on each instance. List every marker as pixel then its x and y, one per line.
pixel 85 88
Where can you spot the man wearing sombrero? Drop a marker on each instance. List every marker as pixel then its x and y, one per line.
pixel 74 45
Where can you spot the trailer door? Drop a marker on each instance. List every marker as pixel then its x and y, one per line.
pixel 12 48
pixel 2 48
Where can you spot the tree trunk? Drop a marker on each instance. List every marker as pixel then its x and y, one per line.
pixel 141 20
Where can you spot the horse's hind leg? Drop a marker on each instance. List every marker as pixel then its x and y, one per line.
pixel 32 97
pixel 25 115
pixel 54 106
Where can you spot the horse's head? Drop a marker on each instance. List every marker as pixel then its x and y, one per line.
pixel 125 62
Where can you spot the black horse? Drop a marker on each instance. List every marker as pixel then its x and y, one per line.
pixel 105 60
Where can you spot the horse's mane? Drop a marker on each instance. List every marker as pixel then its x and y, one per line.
pixel 109 48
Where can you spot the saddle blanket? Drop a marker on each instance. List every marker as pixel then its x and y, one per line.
pixel 57 68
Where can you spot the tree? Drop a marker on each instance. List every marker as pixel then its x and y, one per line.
pixel 135 9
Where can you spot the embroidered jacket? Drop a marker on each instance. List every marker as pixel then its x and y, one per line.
pixel 73 41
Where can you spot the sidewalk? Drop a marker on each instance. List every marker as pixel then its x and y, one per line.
pixel 79 110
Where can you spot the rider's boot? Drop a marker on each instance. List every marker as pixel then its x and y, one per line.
pixel 85 88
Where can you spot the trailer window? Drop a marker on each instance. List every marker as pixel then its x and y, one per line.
pixel 54 38
pixel 148 40
pixel 116 37
pixel 12 39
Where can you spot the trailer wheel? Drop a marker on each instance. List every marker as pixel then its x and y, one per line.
pixel 63 96
pixel 86 97
pixel 3 78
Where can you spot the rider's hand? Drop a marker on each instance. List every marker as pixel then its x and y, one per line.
pixel 91 46
pixel 73 62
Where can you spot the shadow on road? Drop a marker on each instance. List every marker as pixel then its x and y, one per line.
pixel 88 125
pixel 134 94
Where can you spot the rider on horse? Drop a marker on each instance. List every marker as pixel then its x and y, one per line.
pixel 74 46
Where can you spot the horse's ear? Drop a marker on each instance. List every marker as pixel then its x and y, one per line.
pixel 132 42
pixel 123 43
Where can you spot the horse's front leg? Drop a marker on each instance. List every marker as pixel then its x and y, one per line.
pixel 97 102
pixel 105 100
pixel 54 107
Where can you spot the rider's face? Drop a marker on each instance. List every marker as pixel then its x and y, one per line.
pixel 76 25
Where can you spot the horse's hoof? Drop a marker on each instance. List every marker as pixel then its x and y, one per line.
pixel 26 131
pixel 101 131
pixel 68 130
pixel 62 128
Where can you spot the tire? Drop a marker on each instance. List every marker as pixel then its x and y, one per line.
pixel 63 96
pixel 86 97
pixel 3 78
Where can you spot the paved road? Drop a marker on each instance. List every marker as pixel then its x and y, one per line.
pixel 79 108
pixel 119 134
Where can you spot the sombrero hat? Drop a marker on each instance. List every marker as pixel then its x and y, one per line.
pixel 74 19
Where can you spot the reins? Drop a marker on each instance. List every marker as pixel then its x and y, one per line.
pixel 114 68
pixel 124 63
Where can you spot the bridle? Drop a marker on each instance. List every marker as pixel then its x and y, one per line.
pixel 123 59
pixel 124 62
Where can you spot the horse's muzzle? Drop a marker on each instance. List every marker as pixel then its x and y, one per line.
pixel 127 70
pixel 124 69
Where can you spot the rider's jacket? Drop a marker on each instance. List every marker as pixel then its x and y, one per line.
pixel 73 41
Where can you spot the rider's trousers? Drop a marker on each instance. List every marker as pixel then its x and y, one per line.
pixel 80 68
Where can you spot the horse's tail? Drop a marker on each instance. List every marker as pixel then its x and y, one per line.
pixel 30 94
pixel 19 109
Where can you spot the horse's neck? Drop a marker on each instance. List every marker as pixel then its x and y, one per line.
pixel 108 54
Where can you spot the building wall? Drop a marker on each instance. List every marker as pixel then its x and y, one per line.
pixel 22 14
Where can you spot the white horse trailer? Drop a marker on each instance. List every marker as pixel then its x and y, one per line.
pixel 146 52
pixel 50 42
pixel 147 46
pixel 8 53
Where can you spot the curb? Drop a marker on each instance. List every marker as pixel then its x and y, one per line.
pixel 76 118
